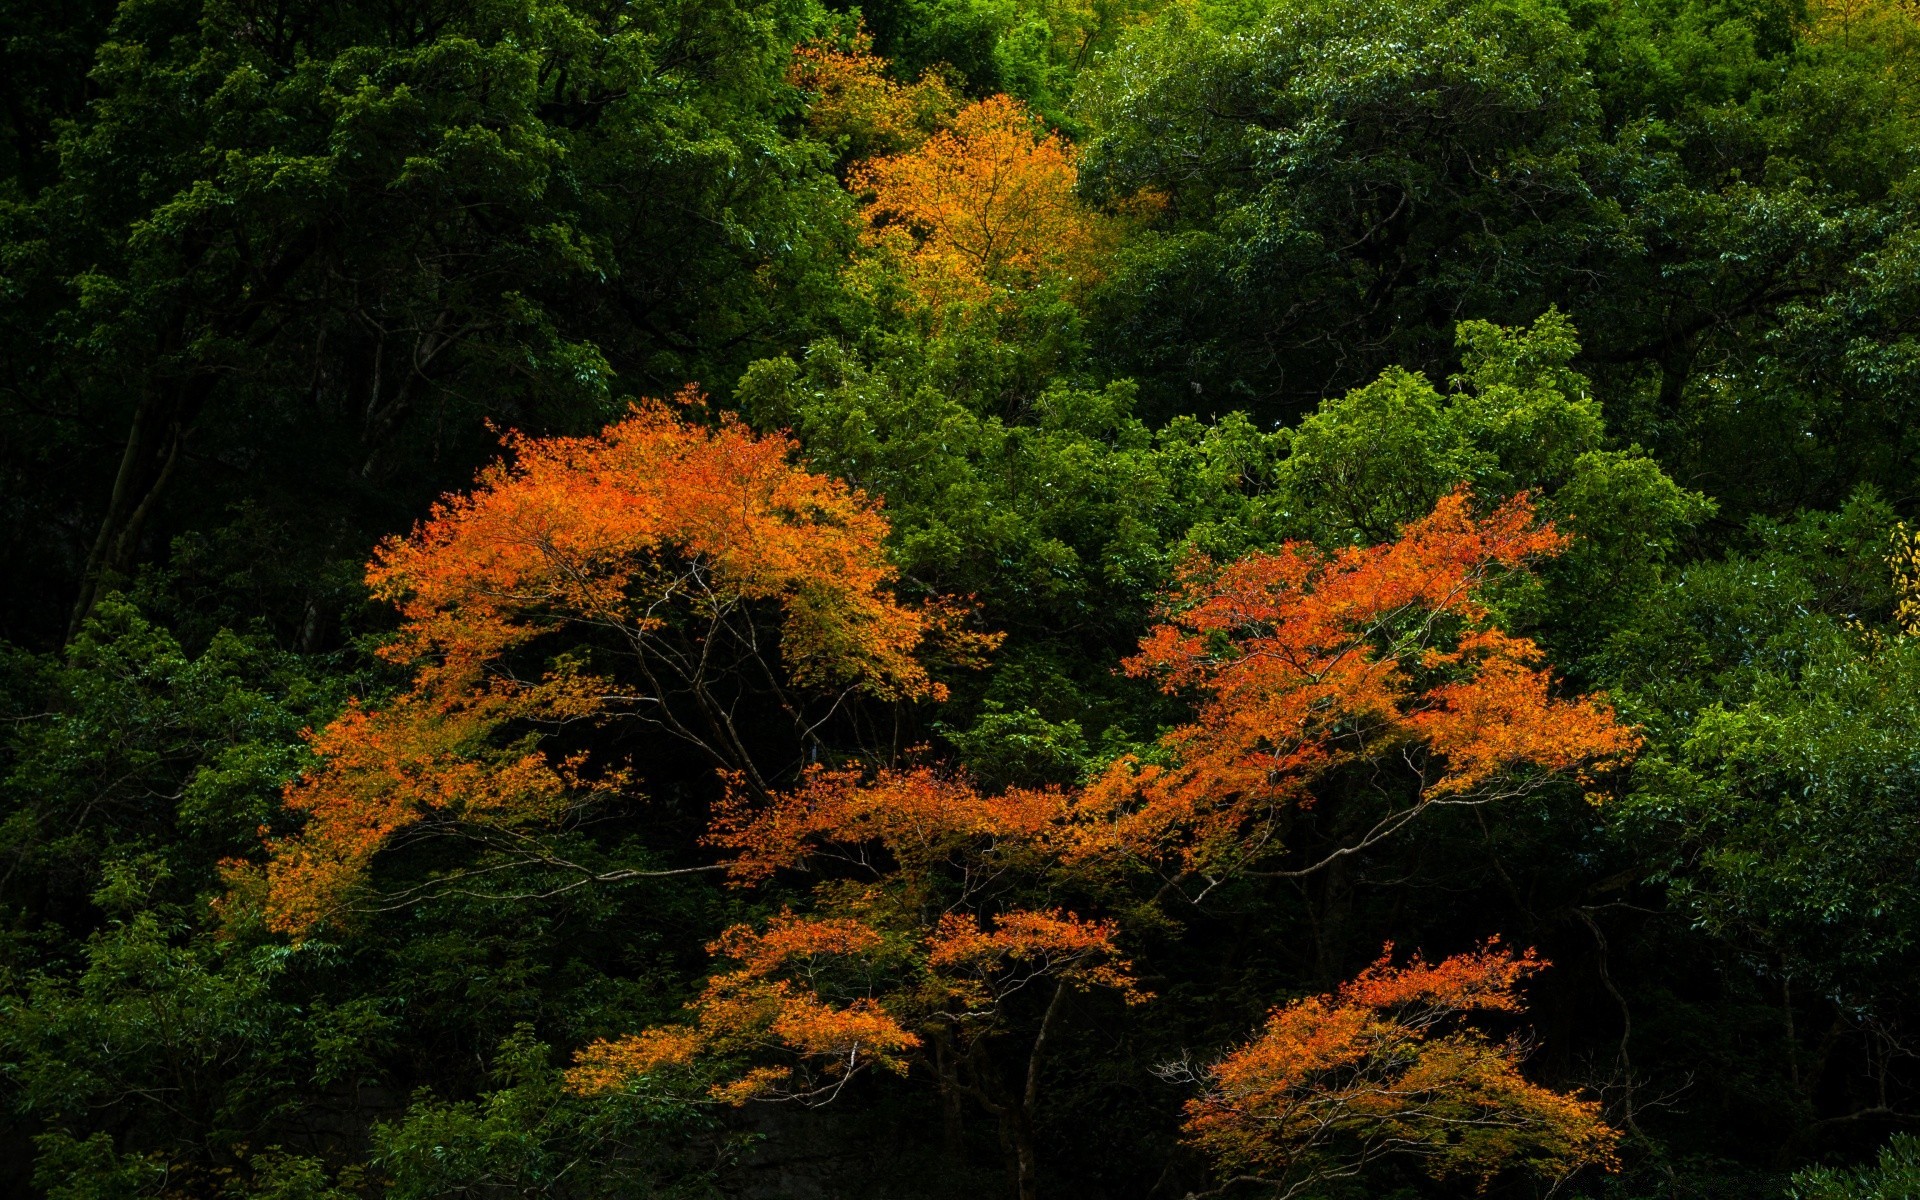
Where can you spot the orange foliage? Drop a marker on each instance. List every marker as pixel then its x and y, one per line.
pixel 853 98
pixel 608 1066
pixel 663 533
pixel 431 751
pixel 1385 1066
pixel 917 816
pixel 906 938
pixel 770 1003
pixel 986 204
pixel 607 529
pixel 928 933
pixel 978 964
pixel 826 997
pixel 873 960
pixel 1303 662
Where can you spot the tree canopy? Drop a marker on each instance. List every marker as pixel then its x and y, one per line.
pixel 1306 599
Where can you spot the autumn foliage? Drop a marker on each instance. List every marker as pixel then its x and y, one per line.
pixel 641 574
pixel 852 97
pixel 1390 1066
pixel 808 1002
pixel 927 945
pixel 921 910
pixel 1301 662
pixel 986 203
pixel 771 1003
pixel 670 540
pixel 917 817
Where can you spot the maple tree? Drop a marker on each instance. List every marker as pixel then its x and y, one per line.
pixel 852 97
pixel 687 551
pixel 275 273
pixel 924 947
pixel 1303 662
pixel 803 990
pixel 1388 1066
pixel 986 203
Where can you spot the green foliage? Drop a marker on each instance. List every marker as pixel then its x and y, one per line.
pixel 1033 49
pixel 1896 1176
pixel 92 1170
pixel 1322 165
pixel 1344 180
pixel 529 1136
pixel 274 276
pixel 129 749
pixel 1796 806
pixel 1518 418
pixel 1781 780
pixel 327 243
pixel 148 1018
pixel 1061 517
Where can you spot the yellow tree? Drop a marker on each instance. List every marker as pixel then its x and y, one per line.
pixel 986 205
pixel 852 99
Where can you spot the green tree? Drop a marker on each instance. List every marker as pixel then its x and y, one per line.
pixel 1895 1175
pixel 295 254
pixel 1061 517
pixel 1517 417
pixel 1699 182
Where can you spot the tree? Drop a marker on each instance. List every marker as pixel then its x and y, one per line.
pixel 1336 176
pixel 528 1133
pixel 1342 182
pixel 1770 811
pixel 321 244
pixel 984 205
pixel 1518 416
pixel 1253 286
pixel 1387 1067
pixel 925 947
pixel 1312 669
pixel 928 933
pixel 1062 514
pixel 856 105
pixel 1035 50
pixel 1894 1174
pixel 696 555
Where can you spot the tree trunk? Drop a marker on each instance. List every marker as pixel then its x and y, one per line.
pixel 952 1128
pixel 158 434
pixel 1021 1114
pixel 1026 1159
pixel 147 463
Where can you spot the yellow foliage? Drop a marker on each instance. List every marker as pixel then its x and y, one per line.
pixel 986 205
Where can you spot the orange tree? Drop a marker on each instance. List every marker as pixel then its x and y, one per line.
pixel 938 934
pixel 1389 1066
pixel 937 937
pixel 854 103
pixel 685 578
pixel 1375 674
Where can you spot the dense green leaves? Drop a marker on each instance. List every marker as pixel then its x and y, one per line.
pixel 293 252
pixel 1896 1173
pixel 275 276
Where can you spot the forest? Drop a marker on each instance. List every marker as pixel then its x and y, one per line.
pixel 960 599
